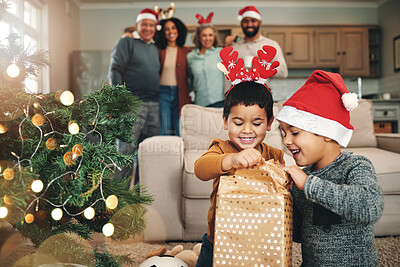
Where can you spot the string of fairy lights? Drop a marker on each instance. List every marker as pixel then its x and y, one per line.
pixel 70 158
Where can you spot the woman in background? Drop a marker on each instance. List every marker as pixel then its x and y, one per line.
pixel 204 79
pixel 174 89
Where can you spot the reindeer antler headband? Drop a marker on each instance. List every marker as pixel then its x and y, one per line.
pixel 166 13
pixel 202 20
pixel 262 68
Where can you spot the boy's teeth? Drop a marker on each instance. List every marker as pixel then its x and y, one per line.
pixel 295 151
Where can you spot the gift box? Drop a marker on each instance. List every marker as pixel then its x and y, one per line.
pixel 254 223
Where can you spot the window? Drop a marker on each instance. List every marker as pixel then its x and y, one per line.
pixel 26 17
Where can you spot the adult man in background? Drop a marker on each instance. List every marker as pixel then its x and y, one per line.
pixel 250 21
pixel 135 63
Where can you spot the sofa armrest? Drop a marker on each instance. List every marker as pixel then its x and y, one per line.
pixel 160 160
pixel 390 142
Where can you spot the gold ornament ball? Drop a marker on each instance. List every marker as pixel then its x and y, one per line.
pixel 77 150
pixel 112 202
pixel 3 128
pixel 7 199
pixel 51 143
pixel 69 158
pixel 29 218
pixel 38 119
pixel 58 94
pixel 8 174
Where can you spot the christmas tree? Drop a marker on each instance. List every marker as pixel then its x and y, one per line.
pixel 57 160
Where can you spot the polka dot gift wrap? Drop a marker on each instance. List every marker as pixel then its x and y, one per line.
pixel 253 225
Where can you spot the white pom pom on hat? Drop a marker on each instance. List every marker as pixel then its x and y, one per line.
pixel 322 106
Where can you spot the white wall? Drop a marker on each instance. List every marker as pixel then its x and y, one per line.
pixel 101 25
pixel 389 21
pixel 63 29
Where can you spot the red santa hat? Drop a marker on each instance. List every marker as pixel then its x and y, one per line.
pixel 322 106
pixel 148 13
pixel 249 11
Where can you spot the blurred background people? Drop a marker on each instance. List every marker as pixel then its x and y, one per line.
pixel 174 88
pixel 204 79
pixel 134 62
pixel 250 21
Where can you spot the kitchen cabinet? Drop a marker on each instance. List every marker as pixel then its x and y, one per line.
pixel 352 51
pixel 342 48
pixel 327 47
pixel 355 53
pixel 386 115
pixel 296 43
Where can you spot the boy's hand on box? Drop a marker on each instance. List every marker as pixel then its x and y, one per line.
pixel 298 176
pixel 246 158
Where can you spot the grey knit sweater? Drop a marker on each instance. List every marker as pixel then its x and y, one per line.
pixel 334 216
pixel 136 64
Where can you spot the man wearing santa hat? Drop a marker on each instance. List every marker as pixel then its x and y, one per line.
pixel 135 63
pixel 250 21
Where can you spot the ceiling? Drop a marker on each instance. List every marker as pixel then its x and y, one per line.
pixel 136 1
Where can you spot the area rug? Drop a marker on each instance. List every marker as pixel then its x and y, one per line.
pixel 388 250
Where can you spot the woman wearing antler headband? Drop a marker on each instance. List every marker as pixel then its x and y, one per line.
pixel 174 88
pixel 204 79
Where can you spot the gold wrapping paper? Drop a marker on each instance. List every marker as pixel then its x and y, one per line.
pixel 253 225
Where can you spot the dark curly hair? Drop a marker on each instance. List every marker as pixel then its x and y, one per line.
pixel 248 94
pixel 196 36
pixel 160 39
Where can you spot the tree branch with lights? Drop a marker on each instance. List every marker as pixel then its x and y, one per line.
pixel 58 156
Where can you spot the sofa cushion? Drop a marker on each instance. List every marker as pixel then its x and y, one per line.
pixel 193 187
pixel 386 165
pixel 194 216
pixel 200 125
pixel 362 121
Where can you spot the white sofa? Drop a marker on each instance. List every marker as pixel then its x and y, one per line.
pixel 179 211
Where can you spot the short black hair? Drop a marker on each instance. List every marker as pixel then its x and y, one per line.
pixel 161 40
pixel 248 94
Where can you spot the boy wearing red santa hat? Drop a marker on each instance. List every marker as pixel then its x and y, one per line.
pixel 337 198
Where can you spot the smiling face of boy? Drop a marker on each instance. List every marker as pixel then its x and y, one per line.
pixel 247 126
pixel 309 148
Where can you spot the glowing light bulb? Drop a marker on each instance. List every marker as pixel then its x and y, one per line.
pixel 3 128
pixel 13 71
pixel 56 214
pixel 73 127
pixel 29 218
pixel 3 212
pixel 37 186
pixel 108 229
pixel 67 98
pixel 112 202
pixel 89 213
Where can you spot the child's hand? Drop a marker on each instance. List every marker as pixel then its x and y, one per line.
pixel 297 175
pixel 246 158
